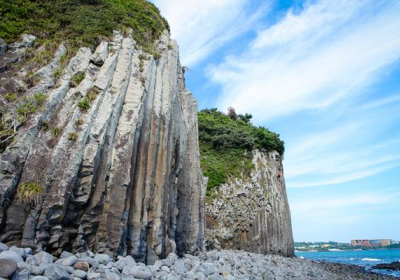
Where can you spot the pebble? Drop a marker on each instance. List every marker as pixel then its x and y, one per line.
pixel 212 265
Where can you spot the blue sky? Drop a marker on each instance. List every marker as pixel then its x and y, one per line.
pixel 323 74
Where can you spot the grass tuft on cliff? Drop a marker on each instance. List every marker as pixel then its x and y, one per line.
pixel 81 22
pixel 226 143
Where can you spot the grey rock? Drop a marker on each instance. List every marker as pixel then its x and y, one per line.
pixel 209 268
pixel 20 251
pixel 93 275
pixel 100 55
pixel 165 268
pixel 69 261
pixel 110 276
pixel 3 47
pixel 80 274
pixel 179 267
pixel 138 272
pixel 69 269
pixel 28 251
pixel 27 40
pixel 36 270
pixel 65 255
pixel 39 278
pixel 215 277
pixel 43 258
pixel 130 261
pixel 57 272
pixel 22 275
pixel 3 247
pixel 12 256
pixel 7 268
pixel 102 258
pixel 120 264
pixel 31 260
pixel 200 276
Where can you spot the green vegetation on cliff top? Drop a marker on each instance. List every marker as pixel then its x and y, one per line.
pixel 81 22
pixel 226 143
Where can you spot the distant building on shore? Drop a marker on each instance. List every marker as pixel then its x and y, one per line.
pixel 371 242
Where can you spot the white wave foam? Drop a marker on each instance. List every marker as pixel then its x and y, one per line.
pixel 371 260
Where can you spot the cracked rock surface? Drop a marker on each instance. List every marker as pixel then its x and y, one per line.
pixel 122 175
pixel 252 214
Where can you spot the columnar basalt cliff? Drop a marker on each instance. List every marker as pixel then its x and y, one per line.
pixel 113 155
pixel 252 213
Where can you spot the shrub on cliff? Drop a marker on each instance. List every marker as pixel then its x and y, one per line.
pixel 226 144
pixel 80 21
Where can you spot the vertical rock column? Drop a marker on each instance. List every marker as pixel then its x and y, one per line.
pixel 124 176
pixel 253 213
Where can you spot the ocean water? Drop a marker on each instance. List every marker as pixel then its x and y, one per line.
pixel 366 259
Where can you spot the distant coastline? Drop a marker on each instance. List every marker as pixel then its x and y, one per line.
pixel 355 245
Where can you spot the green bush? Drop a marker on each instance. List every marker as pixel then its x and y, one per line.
pixel 56 132
pixel 78 78
pixel 81 22
pixel 30 105
pixel 84 104
pixel 29 192
pixel 226 144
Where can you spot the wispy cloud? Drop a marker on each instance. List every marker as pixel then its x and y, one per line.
pixel 330 50
pixel 343 201
pixel 320 61
pixel 201 27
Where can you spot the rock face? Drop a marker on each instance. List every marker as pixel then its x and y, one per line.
pixel 119 176
pixel 252 214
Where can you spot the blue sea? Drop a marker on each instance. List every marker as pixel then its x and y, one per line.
pixel 366 258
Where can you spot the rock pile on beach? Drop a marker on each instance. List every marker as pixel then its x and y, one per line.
pixel 22 263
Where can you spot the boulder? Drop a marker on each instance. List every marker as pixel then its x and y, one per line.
pixel 100 55
pixel 43 257
pixel 80 274
pixel 22 275
pixel 82 265
pixel 110 276
pixel 70 261
pixel 7 268
pixel 20 251
pixel 57 272
pixel 26 41
pixel 102 258
pixel 390 266
pixel 3 247
pixel 12 256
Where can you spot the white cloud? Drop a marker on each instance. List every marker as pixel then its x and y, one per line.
pixel 342 201
pixel 321 61
pixel 201 27
pixel 331 50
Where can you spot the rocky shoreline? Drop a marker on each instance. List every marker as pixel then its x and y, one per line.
pixel 22 263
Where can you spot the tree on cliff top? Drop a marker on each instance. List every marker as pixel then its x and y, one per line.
pixel 226 144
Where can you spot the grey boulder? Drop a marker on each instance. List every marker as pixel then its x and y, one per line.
pixel 22 275
pixel 57 272
pixel 102 258
pixel 43 257
pixel 7 268
pixel 12 256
